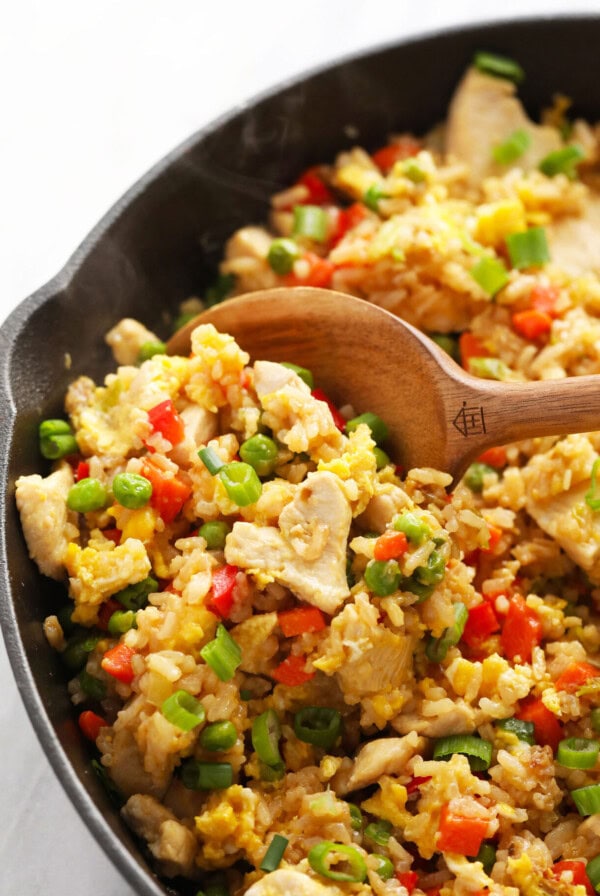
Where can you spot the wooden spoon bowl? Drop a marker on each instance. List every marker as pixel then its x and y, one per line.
pixel 438 415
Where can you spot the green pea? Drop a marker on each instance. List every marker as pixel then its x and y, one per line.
pixel 121 621
pixel 282 254
pixel 379 430
pixel 261 453
pixel 413 527
pixel 134 597
pixel 433 572
pixel 75 654
pixel 56 439
pixel 86 495
pixel 474 476
pixel 381 458
pixel 131 490
pixel 385 868
pixel 214 533
pixel 383 577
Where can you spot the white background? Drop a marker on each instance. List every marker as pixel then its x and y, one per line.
pixel 92 94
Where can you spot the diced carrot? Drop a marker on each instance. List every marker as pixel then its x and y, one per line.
pixel 292 671
pixel 318 191
pixel 169 492
pixel 117 662
pixel 390 545
pixel 408 879
pixel 521 632
pixel 461 834
pixel 547 728
pixel 386 157
pixel 482 621
pixel 576 675
pixel 494 539
pixel 469 347
pixel 532 324
pixel 301 620
pixel 90 724
pixel 339 421
pixel 545 299
pixel 319 272
pixel 494 457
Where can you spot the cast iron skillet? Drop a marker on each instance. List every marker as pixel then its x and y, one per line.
pixel 161 243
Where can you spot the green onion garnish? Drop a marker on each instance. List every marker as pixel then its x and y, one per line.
pixel 437 648
pixel 219 736
pixel 318 725
pixel 266 732
pixel 151 348
pixel 135 597
pixel 413 527
pixel 372 195
pixel 477 751
pixel 324 857
pixel 56 439
pixel 490 273
pixel 592 496
pixel 381 458
pixel 528 249
pixel 356 817
pixel 499 66
pixel 473 478
pixel 206 775
pixel 577 752
pixel 214 533
pixel 487 856
pixel 379 832
pixel 385 868
pixel 183 710
pixel 241 483
pixel 595 719
pixel 121 621
pixel 222 654
pixel 489 368
pixel 562 161
pixel 524 731
pixel 310 221
pixel 271 773
pixel 274 853
pixel 261 453
pixel 282 254
pixel 87 495
pixel 131 490
pixel 383 577
pixel 303 373
pixel 587 799
pixel 512 148
pixel 448 343
pixel 592 869
pixel 379 430
pixel 211 460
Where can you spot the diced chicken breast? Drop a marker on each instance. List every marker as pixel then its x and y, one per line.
pixel 126 339
pixel 246 258
pixel 483 113
pixel 287 882
pixel 307 553
pixel 574 242
pixel 384 756
pixel 170 842
pixel 47 523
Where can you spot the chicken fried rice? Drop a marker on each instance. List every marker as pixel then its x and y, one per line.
pixel 302 669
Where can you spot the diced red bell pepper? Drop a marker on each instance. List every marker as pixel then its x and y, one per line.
pixel 415 783
pixel 576 675
pixel 301 620
pixel 90 724
pixel 482 622
pixel 117 662
pixel 531 323
pixel 169 492
pixel 348 219
pixel 386 157
pixel 545 299
pixel 461 834
pixel 469 347
pixel 82 470
pixel 319 272
pixel 577 872
pixel 337 417
pixel 113 533
pixel 521 632
pixel 494 457
pixel 223 584
pixel 547 728
pixel 292 671
pixel 164 419
pixel 106 611
pixel 408 879
pixel 318 191
pixel 390 545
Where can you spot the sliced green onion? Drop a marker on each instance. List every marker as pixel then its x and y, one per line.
pixel 211 460
pixel 379 430
pixel 266 732
pixel 477 751
pixel 131 490
pixel 75 654
pixel 183 710
pixel 303 373
pixel 219 290
pixel 214 533
pixel 448 343
pixel 490 273
pixel 499 66
pixel 274 853
pixel 383 577
pixel 326 856
pixel 87 495
pixel 415 529
pixel 592 869
pixel 310 221
pixel 595 719
pixel 91 686
pixel 135 597
pixel 65 617
pixel 219 736
pixel 381 458
pixel 356 817
pixel 592 496
pixel 318 725
pixel 151 348
pixel 524 731
pixel 379 832
pixel 271 773
pixel 384 867
pixel 577 752
pixel 489 368
pixel 562 161
pixel 206 775
pixel 473 478
pixel 434 570
pixel 121 621
pixel 372 195
pixel 56 439
pixel 587 799
pixel 487 856
pixel 241 483
pixel 282 254
pixel 222 654
pixel 261 453
pixel 437 648
pixel 512 148
pixel 528 249
pixel 216 886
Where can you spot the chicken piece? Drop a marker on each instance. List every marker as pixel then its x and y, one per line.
pixel 170 842
pixel 258 644
pixel 47 522
pixel 307 553
pixel 574 242
pixel 253 242
pixel 484 112
pixel 298 420
pixel 127 338
pixel 383 507
pixel 246 258
pixel 287 882
pixel 458 719
pixel 384 756
pixel 200 426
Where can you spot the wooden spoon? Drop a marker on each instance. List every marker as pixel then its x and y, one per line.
pixel 438 415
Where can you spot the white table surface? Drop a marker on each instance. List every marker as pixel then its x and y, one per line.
pixel 91 95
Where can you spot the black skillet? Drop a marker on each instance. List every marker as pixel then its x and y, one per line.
pixel 161 243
